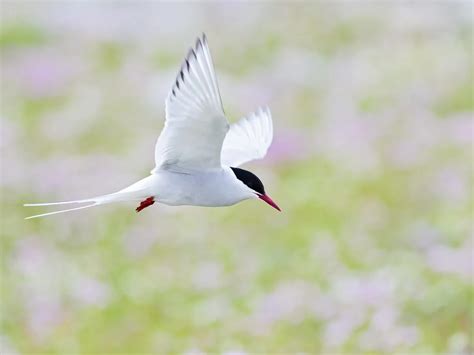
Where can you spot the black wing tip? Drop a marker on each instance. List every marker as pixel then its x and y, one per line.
pixel 190 53
pixel 201 41
pixel 198 44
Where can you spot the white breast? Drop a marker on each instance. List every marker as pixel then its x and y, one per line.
pixel 217 187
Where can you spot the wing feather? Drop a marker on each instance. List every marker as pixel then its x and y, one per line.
pixel 195 125
pixel 248 139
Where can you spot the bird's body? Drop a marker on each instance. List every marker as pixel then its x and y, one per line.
pixel 211 188
pixel 197 153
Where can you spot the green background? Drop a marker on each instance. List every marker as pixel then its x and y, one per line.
pixel 371 164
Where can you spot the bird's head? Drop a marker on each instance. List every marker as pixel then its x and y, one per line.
pixel 255 185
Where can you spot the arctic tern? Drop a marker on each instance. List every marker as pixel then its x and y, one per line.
pixel 197 153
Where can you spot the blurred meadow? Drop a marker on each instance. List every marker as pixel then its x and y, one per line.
pixel 372 164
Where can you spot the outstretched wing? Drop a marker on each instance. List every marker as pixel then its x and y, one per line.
pixel 248 139
pixel 195 125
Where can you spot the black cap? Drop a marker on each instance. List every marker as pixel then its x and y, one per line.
pixel 249 179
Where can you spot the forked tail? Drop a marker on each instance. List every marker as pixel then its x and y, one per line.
pixel 95 201
pixel 135 192
pixel 59 203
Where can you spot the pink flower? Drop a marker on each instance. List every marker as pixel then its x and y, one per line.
pixel 457 261
pixel 41 74
pixel 288 145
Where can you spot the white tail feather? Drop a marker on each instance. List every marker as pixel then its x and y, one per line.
pixel 135 192
pixel 56 203
pixel 62 211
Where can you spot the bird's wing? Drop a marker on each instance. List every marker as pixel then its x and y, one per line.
pixel 195 125
pixel 248 139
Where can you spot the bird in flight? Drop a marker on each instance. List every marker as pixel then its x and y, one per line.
pixel 198 153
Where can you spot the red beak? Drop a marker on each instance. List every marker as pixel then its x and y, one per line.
pixel 268 200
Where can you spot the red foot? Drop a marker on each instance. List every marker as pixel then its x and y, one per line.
pixel 145 203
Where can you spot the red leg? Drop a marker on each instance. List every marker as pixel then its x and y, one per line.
pixel 145 203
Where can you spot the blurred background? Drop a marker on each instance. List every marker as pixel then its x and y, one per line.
pixel 371 163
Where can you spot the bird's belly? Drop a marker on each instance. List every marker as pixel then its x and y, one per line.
pixel 198 196
pixel 182 189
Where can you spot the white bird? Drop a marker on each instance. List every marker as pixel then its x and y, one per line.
pixel 197 153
